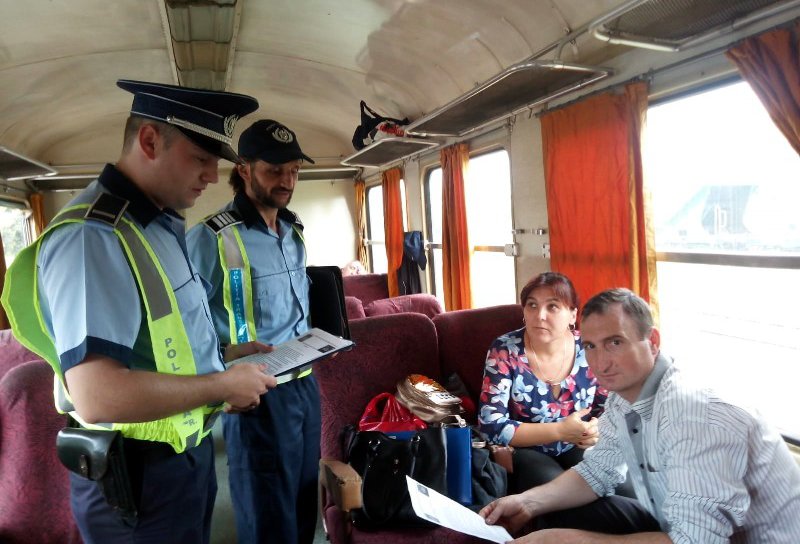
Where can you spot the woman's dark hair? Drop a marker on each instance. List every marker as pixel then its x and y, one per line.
pixel 560 284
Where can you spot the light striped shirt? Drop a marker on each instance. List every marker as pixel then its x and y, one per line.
pixel 707 470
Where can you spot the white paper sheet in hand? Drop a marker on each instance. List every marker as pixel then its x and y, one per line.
pixel 435 507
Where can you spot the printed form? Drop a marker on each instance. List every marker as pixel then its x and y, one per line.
pixel 435 507
pixel 296 355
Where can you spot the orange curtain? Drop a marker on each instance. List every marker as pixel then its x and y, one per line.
pixel 361 223
pixel 37 213
pixel 393 226
pixel 455 237
pixel 3 317
pixel 597 206
pixel 770 63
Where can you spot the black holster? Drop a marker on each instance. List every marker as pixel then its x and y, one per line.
pixel 99 456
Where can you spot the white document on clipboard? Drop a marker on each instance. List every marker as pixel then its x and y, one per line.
pixel 294 356
pixel 435 507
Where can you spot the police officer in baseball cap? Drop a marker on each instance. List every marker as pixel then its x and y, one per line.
pixel 268 237
pixel 126 316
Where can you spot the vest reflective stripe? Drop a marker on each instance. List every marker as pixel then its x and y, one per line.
pixel 238 287
pixel 171 348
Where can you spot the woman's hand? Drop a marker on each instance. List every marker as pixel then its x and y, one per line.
pixel 592 435
pixel 574 429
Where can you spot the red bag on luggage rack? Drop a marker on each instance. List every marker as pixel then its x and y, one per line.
pixel 384 413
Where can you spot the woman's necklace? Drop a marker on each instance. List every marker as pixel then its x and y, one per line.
pixel 559 376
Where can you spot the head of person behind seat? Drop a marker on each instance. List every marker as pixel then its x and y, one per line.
pixel 621 341
pixel 271 159
pixel 175 136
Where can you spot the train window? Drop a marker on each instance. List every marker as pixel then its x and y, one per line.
pixel 724 183
pixel 488 202
pixel 13 229
pixel 376 234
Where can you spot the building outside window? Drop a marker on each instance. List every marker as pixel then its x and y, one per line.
pixel 725 185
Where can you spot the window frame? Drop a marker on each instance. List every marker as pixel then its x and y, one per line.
pixel 370 243
pixel 431 246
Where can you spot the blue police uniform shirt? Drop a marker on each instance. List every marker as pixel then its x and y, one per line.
pixel 89 296
pixel 278 273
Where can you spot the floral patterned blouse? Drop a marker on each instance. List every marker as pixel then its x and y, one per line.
pixel 512 394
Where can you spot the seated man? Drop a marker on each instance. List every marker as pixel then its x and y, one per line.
pixel 704 470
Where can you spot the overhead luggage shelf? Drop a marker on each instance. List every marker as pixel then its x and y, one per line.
pixel 14 166
pixel 673 25
pixel 388 150
pixel 326 173
pixel 521 86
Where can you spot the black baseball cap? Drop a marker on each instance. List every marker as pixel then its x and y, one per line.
pixel 205 117
pixel 270 141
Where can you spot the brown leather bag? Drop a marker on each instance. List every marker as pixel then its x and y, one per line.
pixel 427 399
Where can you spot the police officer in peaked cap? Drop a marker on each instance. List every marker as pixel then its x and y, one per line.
pixel 132 344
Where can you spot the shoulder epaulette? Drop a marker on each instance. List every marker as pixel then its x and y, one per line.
pixel 107 208
pixel 291 217
pixel 222 220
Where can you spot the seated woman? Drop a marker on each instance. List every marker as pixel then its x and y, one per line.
pixel 538 393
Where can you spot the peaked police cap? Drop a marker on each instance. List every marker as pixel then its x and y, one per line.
pixel 205 117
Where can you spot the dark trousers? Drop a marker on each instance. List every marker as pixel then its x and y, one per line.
pixel 532 468
pixel 273 460
pixel 612 515
pixel 175 498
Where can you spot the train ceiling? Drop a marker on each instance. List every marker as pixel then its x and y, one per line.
pixel 309 62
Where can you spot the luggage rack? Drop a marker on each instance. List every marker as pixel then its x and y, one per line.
pixel 387 151
pixel 521 86
pixel 675 25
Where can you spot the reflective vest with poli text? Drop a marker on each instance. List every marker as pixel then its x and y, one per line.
pixel 172 351
pixel 237 283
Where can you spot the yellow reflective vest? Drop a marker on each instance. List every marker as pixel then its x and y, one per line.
pixel 237 286
pixel 171 347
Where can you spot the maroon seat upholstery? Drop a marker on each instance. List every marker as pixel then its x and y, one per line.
pixel 34 486
pixel 388 348
pixel 354 308
pixel 366 287
pixel 421 303
pixel 12 353
pixel 464 337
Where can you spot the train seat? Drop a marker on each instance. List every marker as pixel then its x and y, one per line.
pixel 34 486
pixel 388 348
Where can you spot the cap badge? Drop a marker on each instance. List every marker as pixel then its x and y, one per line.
pixel 229 123
pixel 283 135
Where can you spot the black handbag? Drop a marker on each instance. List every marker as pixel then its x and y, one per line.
pixel 383 461
pixel 365 132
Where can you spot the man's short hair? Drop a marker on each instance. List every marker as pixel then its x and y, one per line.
pixel 134 122
pixel 632 305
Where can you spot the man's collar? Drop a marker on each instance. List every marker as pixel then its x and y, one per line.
pixel 247 210
pixel 139 206
pixel 644 404
pixel 251 216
